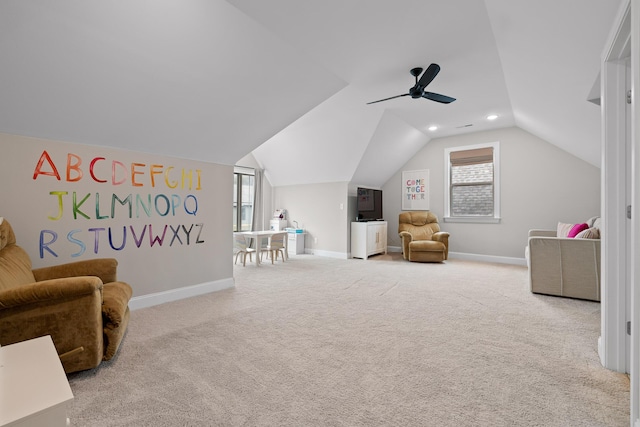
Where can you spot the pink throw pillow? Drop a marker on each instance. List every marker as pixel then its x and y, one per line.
pixel 577 229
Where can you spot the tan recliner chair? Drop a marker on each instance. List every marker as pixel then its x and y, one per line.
pixel 422 240
pixel 80 305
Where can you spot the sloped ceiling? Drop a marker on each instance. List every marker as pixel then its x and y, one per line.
pixel 188 78
pixel 289 80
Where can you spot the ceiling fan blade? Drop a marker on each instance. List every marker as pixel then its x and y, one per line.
pixel 429 75
pixel 443 99
pixel 386 99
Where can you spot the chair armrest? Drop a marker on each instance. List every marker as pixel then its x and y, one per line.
pixel 116 296
pixel 441 236
pixel 406 238
pixel 405 235
pixel 104 268
pixel 50 290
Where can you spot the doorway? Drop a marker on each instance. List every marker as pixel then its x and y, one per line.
pixel 619 344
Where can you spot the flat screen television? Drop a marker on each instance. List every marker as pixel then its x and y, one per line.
pixel 369 204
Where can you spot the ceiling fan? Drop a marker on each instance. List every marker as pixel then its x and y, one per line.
pixel 418 91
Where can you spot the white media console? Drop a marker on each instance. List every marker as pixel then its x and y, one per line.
pixel 368 238
pixel 34 388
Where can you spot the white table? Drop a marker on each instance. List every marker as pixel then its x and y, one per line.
pixel 258 236
pixel 34 390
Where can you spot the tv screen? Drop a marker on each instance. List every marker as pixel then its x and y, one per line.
pixel 369 204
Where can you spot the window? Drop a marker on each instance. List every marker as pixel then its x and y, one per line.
pixel 472 192
pixel 243 195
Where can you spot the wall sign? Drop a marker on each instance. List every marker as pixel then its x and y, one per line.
pixel 123 205
pixel 415 190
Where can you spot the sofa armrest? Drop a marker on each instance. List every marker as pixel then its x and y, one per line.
pixel 104 268
pixel 55 290
pixel 542 233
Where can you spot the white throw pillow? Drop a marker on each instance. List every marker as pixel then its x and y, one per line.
pixel 589 233
pixel 563 229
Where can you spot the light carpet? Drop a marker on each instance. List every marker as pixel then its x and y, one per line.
pixel 383 342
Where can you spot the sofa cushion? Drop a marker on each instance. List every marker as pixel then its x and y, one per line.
pixel 594 221
pixel 589 233
pixel 577 229
pixel 570 230
pixel 563 229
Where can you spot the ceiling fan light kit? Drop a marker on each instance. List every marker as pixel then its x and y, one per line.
pixel 417 91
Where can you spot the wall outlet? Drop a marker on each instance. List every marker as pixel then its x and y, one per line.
pixel 315 240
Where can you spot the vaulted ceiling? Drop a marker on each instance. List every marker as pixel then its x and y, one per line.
pixel 289 80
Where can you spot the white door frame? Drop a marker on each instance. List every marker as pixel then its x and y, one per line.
pixel 635 218
pixel 624 41
pixel 612 347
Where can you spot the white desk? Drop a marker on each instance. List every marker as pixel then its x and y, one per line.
pixel 34 390
pixel 258 236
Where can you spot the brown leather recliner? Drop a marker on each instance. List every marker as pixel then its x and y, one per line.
pixel 422 240
pixel 81 305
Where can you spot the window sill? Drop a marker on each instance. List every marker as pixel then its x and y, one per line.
pixel 473 219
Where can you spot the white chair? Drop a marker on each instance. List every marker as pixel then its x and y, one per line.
pixel 240 246
pixel 276 244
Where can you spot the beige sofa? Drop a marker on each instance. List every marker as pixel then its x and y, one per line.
pixel 568 267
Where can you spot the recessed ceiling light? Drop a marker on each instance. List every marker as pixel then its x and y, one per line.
pixel 492 117
pixel 432 128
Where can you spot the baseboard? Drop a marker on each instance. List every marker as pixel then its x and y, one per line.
pixel 158 298
pixel 475 257
pixel 488 258
pixel 601 351
pixel 328 254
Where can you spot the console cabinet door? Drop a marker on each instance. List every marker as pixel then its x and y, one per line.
pixel 382 238
pixel 373 237
pixel 368 238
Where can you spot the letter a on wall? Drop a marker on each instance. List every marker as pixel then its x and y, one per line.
pixel 415 190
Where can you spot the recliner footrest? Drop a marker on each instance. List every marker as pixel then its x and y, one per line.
pixel 426 246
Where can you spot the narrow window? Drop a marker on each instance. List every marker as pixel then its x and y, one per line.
pixel 243 197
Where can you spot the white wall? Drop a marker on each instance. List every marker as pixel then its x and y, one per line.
pixel 321 209
pixel 540 186
pixel 179 260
